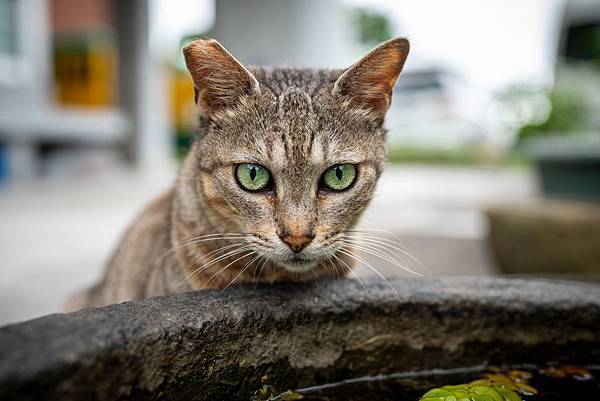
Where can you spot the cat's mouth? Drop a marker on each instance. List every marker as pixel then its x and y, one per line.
pixel 298 264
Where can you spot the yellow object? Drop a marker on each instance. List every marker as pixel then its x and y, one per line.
pixel 183 109
pixel 85 70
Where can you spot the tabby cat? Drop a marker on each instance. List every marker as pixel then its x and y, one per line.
pixel 284 163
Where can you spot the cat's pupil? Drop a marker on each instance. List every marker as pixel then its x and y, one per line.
pixel 253 173
pixel 338 173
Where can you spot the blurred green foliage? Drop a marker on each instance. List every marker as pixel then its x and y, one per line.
pixel 568 114
pixel 462 156
pixel 570 107
pixel 414 154
pixel 372 26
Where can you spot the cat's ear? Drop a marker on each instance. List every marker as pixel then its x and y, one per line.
pixel 369 83
pixel 219 79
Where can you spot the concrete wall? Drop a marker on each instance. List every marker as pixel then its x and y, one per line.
pixel 309 33
pixel 24 80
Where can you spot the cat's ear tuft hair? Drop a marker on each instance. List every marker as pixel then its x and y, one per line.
pixel 369 83
pixel 219 79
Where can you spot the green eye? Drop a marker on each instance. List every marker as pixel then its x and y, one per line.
pixel 339 177
pixel 252 177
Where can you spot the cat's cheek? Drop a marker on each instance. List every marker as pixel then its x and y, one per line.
pixel 333 210
pixel 214 199
pixel 341 210
pixel 209 192
pixel 254 209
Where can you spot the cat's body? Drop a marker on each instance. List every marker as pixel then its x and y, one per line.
pixel 309 132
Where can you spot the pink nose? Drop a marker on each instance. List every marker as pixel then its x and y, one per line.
pixel 297 243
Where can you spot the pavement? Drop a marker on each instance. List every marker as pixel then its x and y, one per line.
pixel 55 235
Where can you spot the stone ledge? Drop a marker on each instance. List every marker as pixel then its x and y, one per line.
pixel 210 345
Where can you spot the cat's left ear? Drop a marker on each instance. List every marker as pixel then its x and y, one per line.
pixel 369 83
pixel 219 79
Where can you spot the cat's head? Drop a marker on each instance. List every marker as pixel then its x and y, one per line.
pixel 289 156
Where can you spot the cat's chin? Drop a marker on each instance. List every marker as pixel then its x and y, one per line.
pixel 298 265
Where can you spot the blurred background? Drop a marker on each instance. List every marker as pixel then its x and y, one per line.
pixel 494 129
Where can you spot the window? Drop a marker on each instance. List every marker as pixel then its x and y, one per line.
pixel 8 28
pixel 13 66
pixel 583 42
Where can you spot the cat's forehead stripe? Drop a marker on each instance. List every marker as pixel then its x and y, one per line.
pixel 278 80
pixel 294 122
pixel 279 152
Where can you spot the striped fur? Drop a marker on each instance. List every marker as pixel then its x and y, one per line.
pixel 295 122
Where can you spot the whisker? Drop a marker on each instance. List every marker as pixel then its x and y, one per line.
pixel 348 253
pixel 335 267
pixel 246 266
pixel 394 242
pixel 388 232
pixel 221 257
pixel 391 244
pixel 377 253
pixel 214 276
pixel 262 266
pixel 351 270
pixel 315 276
pixel 197 258
pixel 383 245
pixel 200 256
pixel 382 248
pixel 323 264
pixel 199 239
pixel 217 259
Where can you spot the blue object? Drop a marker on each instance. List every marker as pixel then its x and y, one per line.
pixel 3 164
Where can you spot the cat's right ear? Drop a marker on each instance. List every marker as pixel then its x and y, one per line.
pixel 219 79
pixel 369 83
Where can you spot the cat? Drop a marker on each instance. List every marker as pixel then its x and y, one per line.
pixel 284 163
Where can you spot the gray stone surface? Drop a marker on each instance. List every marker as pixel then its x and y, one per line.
pixel 223 345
